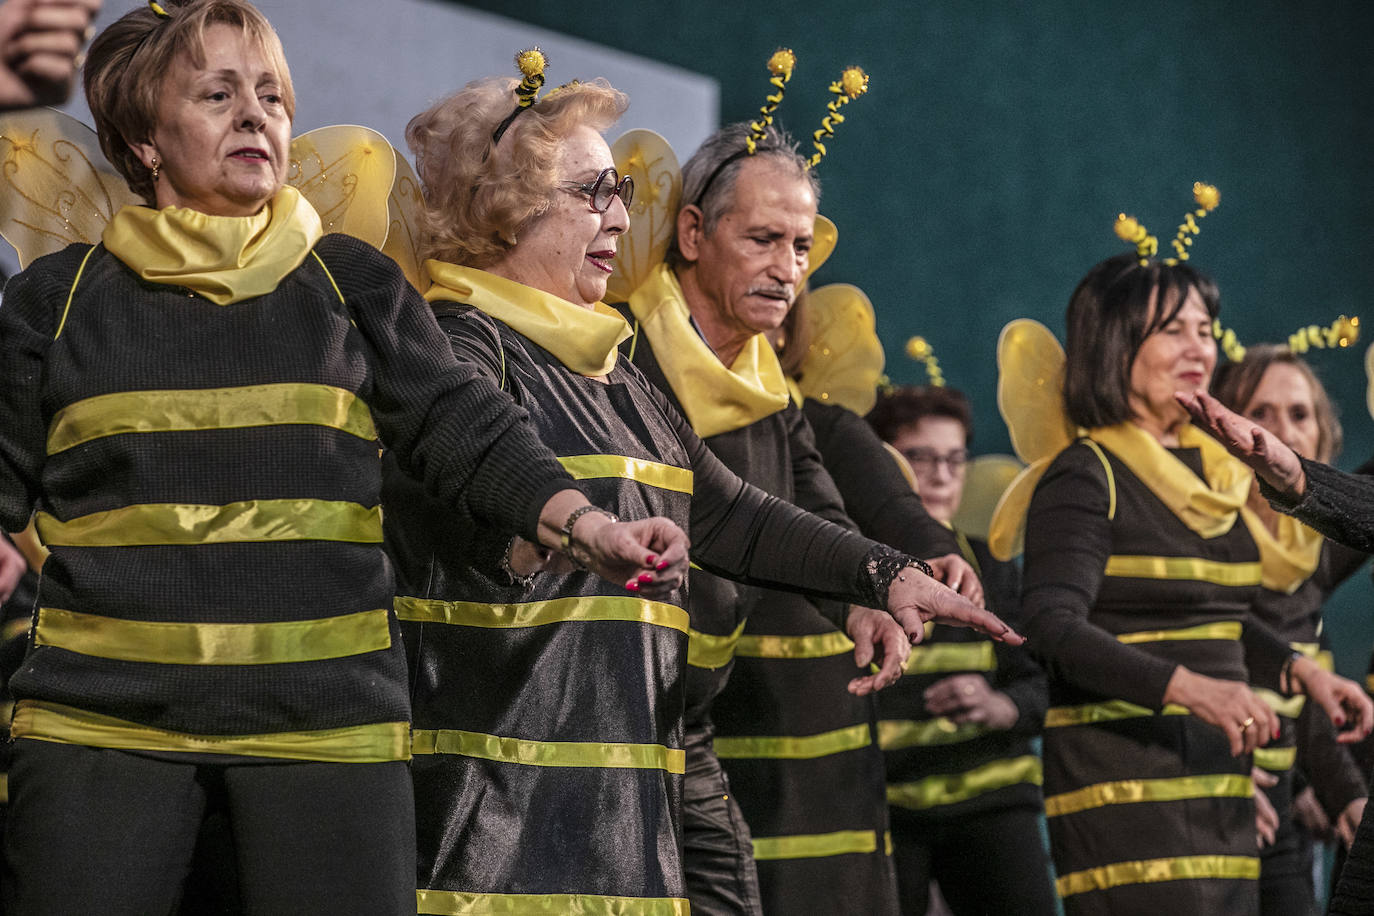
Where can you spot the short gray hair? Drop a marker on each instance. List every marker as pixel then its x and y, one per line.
pixel 712 170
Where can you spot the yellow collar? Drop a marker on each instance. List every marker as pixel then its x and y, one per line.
pixel 584 340
pixel 1288 557
pixel 226 259
pixel 716 398
pixel 1208 508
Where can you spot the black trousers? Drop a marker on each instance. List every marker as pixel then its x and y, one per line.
pixel 93 830
pixel 986 864
pixel 718 854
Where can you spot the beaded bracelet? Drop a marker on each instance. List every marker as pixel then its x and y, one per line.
pixel 565 533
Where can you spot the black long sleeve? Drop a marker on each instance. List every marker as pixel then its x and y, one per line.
pixel 1068 541
pixel 1339 505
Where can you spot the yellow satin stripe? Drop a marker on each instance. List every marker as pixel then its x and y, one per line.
pixel 1225 629
pixel 1109 711
pixel 602 755
pixel 4 788
pixel 541 613
pixel 251 521
pixel 1149 871
pixel 1133 791
pixel 1369 683
pixel 946 789
pixel 887 842
pixel 815 845
pixel 820 645
pixel 1310 649
pixel 461 903
pixel 1276 759
pixel 1193 569
pixel 1326 660
pixel 377 742
pixel 705 650
pixel 951 656
pixel 213 644
pixel 1288 707
pixel 650 473
pixel 895 734
pixel 209 408
pixel 789 747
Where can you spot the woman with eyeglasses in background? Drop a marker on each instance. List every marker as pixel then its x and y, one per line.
pixel 548 708
pixel 963 780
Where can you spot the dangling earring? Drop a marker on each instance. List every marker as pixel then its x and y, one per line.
pixel 155 164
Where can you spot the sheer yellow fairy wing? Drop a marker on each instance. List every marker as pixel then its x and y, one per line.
pixel 844 360
pixel 55 186
pixel 346 172
pixel 1030 390
pixel 1007 530
pixel 986 478
pixel 404 207
pixel 649 160
pixel 824 237
pixel 1030 395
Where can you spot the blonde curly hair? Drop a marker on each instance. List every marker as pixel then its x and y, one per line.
pixel 480 197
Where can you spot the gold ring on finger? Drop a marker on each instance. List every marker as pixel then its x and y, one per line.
pixel 968 690
pixel 1248 722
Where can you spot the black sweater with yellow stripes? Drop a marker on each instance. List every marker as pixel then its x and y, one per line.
pixel 207 478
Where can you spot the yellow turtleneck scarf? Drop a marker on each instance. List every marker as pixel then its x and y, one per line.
pixel 226 259
pixel 1209 508
pixel 1288 556
pixel 716 398
pixel 584 340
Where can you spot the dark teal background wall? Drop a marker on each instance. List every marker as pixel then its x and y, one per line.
pixel 979 177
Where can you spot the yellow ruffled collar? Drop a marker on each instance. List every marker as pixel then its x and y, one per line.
pixel 584 340
pixel 715 398
pixel 1207 507
pixel 226 259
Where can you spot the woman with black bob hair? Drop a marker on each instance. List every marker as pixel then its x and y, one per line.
pixel 1137 591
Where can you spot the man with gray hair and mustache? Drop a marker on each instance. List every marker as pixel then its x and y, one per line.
pixel 767 676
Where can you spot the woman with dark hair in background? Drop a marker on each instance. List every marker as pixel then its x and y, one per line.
pixel 1138 583
pixel 1316 780
pixel 963 781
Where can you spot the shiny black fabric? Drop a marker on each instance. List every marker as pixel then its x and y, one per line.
pixel 503 828
pixel 723 880
pixel 790 697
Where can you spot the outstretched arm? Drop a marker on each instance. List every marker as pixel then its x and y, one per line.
pixel 1339 505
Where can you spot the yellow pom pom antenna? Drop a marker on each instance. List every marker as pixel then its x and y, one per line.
pixel 1340 333
pixel 531 63
pixel 919 349
pixel 780 65
pixel 851 84
pixel 1207 198
pixel 1129 229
